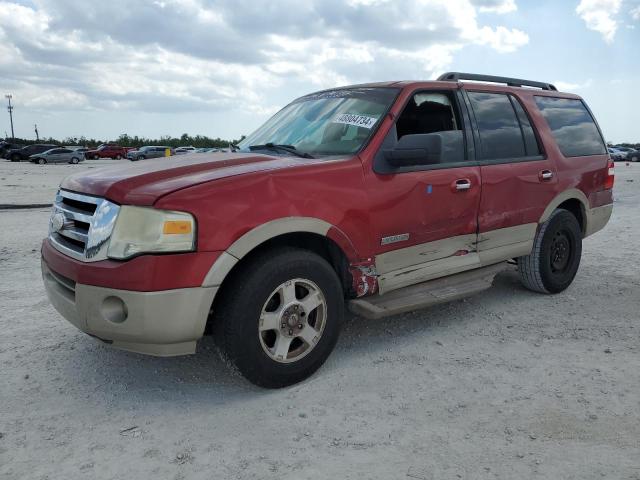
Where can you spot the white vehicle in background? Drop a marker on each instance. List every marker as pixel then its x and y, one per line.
pixel 185 150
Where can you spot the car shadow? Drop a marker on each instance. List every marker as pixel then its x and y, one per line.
pixel 101 370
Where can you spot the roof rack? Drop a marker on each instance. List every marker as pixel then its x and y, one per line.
pixel 512 82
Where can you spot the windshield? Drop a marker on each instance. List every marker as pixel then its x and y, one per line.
pixel 335 122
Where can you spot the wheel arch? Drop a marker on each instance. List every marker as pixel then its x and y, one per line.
pixel 314 234
pixel 573 200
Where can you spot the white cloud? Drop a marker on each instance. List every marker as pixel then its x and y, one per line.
pixel 599 15
pixel 496 6
pixel 635 13
pixel 571 87
pixel 199 55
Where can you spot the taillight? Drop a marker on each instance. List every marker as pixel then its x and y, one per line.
pixel 609 179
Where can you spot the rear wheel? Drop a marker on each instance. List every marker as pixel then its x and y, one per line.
pixel 280 316
pixel 41 161
pixel 118 157
pixel 554 261
pixel 96 157
pixel 141 157
pixel 635 158
pixel 74 160
pixel 15 158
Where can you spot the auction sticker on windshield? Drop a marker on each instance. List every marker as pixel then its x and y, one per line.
pixel 355 119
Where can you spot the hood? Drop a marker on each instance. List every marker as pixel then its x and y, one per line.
pixel 142 183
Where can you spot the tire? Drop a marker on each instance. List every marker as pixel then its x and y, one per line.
pixel 141 157
pixel 555 258
pixel 41 161
pixel 635 158
pixel 15 158
pixel 254 294
pixel 96 157
pixel 118 157
pixel 74 160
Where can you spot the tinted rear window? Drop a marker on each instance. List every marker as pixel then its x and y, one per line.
pixel 500 134
pixel 572 126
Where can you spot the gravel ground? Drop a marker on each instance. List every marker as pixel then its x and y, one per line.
pixel 508 384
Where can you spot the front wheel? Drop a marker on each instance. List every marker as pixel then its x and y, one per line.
pixel 280 316
pixel 74 160
pixel 118 157
pixel 41 161
pixel 96 157
pixel 554 261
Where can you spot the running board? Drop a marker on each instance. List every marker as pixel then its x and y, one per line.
pixel 425 294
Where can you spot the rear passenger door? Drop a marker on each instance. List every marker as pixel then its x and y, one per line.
pixel 518 180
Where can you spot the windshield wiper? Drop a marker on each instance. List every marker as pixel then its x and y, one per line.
pixel 285 148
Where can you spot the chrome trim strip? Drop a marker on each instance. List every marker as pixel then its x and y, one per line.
pixel 74 233
pixel 73 213
pixel 80 197
pixel 64 249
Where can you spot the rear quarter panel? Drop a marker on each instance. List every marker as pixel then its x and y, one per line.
pixel 587 173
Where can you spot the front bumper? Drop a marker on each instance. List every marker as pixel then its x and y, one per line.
pixel 161 323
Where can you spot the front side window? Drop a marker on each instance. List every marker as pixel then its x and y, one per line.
pixel 334 122
pixel 572 126
pixel 427 112
pixel 499 129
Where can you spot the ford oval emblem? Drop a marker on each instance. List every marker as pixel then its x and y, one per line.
pixel 57 222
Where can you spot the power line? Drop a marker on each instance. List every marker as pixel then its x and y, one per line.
pixel 10 108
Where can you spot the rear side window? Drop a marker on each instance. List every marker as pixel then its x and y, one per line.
pixel 572 126
pixel 498 125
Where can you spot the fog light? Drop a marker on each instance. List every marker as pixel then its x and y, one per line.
pixel 114 310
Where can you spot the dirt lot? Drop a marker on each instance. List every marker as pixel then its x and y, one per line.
pixel 509 384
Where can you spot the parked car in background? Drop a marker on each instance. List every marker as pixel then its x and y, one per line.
pixel 57 155
pixel 208 150
pixel 115 152
pixel 626 151
pixel 7 146
pixel 150 151
pixel 616 155
pixel 24 153
pixel 634 156
pixel 184 150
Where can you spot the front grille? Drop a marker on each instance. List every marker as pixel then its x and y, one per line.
pixel 81 225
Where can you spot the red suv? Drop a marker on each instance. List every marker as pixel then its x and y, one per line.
pixel 107 151
pixel 391 196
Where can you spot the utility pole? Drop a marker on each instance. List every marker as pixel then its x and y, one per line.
pixel 36 128
pixel 10 108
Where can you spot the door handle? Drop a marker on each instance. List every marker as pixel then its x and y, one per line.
pixel 462 184
pixel 545 175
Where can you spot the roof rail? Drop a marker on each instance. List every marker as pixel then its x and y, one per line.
pixel 512 82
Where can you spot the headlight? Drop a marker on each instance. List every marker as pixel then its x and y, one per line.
pixel 148 230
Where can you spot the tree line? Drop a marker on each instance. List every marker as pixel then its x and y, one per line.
pixel 124 140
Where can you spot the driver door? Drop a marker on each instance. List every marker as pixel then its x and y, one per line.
pixel 425 216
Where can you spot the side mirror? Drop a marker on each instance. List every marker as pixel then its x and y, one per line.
pixel 427 149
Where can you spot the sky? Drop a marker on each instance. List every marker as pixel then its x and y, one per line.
pixel 222 67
